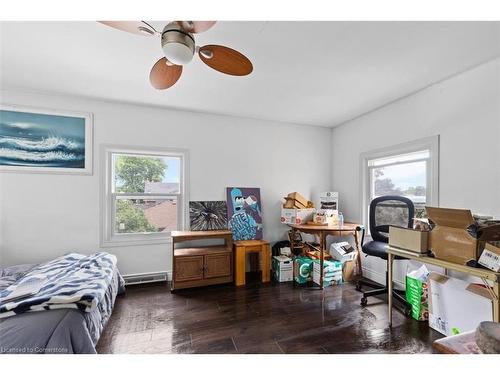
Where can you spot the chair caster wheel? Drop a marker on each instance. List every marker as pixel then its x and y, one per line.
pixel 364 301
pixel 358 286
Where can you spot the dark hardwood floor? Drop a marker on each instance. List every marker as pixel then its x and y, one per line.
pixel 272 318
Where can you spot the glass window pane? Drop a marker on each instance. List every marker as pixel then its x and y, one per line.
pixel 146 174
pixel 145 215
pixel 425 154
pixel 408 180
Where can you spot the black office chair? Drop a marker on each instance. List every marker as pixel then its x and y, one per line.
pixel 384 212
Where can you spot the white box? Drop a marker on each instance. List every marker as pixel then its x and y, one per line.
pixel 456 306
pixel 296 215
pixel 329 200
pixel 490 257
pixel 342 251
pixel 282 268
pixel 330 267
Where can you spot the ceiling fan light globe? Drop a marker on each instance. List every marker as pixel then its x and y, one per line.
pixel 177 44
pixel 178 53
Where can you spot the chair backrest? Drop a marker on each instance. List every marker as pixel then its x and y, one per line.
pixel 389 210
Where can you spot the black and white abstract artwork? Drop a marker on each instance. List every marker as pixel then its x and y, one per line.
pixel 208 215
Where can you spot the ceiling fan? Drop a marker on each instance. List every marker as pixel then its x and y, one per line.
pixel 178 45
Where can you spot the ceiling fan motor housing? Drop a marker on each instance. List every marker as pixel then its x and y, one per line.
pixel 178 45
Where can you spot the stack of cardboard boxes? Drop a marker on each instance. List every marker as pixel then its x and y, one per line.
pixel 454 235
pixel 297 209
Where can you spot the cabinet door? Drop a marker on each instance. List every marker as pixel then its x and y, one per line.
pixel 188 268
pixel 218 265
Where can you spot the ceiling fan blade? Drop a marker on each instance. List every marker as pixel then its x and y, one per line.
pixel 197 26
pixel 225 60
pixel 164 75
pixel 134 27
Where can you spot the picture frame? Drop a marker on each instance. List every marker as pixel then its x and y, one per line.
pixel 63 143
pixel 207 215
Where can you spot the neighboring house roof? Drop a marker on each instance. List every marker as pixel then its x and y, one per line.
pixel 161 187
pixel 163 216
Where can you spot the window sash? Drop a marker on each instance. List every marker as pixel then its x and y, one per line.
pixel 428 182
pixel 408 157
pixel 158 235
pixel 112 157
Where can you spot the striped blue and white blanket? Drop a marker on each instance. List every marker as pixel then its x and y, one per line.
pixel 73 281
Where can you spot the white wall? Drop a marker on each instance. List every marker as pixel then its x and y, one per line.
pixel 42 216
pixel 45 215
pixel 465 111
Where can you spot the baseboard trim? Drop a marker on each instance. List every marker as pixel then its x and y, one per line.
pixel 147 277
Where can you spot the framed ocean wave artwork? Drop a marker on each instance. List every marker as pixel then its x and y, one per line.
pixel 45 141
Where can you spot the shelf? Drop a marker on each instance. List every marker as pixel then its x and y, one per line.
pixel 479 272
pixel 178 235
pixel 193 251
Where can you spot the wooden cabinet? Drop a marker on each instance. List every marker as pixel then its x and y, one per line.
pixel 204 265
pixel 218 265
pixel 189 268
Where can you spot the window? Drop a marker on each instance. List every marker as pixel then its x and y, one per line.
pixel 409 170
pixel 144 195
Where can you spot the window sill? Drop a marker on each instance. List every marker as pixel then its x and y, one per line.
pixel 135 242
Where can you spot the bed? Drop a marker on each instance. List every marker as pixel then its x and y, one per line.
pixel 55 329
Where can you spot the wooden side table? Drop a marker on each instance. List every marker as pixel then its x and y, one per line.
pixel 241 249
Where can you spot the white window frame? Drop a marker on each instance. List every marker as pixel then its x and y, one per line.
pixel 108 197
pixel 430 144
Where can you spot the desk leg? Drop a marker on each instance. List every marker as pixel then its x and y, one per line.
pixel 358 251
pixel 240 265
pixel 266 267
pixel 292 230
pixel 322 246
pixel 390 259
pixel 496 302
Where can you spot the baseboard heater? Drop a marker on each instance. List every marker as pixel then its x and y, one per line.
pixel 143 278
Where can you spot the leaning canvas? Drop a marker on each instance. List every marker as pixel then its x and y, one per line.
pixel 208 215
pixel 33 140
pixel 244 212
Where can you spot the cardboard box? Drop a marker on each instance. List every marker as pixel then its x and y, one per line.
pixel 408 239
pixel 450 240
pixel 295 200
pixel 326 217
pixel 349 269
pixel 302 269
pixel 417 293
pixel 342 251
pixel 332 272
pixel 282 268
pixel 490 257
pixel 296 216
pixel 329 200
pixel 456 306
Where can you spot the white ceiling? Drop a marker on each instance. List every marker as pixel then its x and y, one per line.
pixel 315 73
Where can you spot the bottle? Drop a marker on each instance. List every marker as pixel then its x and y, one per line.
pixel 341 220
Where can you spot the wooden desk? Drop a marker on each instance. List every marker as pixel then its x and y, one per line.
pixel 322 231
pixel 482 273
